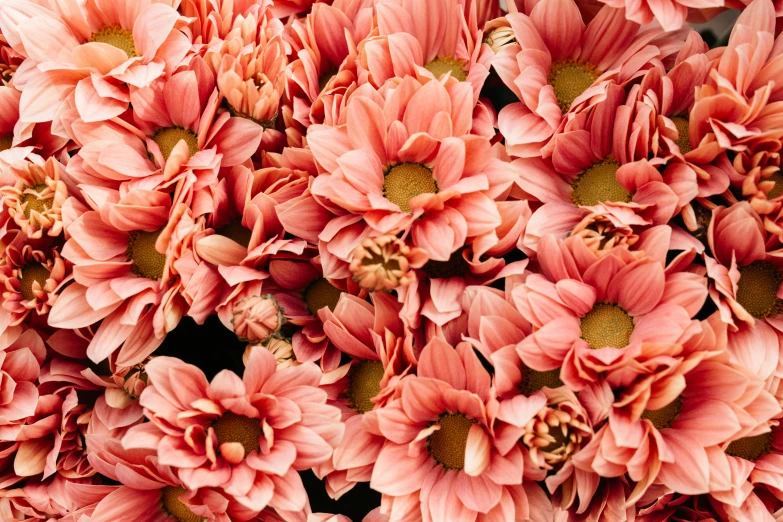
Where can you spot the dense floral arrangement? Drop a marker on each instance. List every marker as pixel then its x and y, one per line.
pixel 450 260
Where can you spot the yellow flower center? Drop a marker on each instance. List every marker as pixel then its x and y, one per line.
pixel 31 200
pixel 598 183
pixel 168 138
pixel 174 507
pixel 533 381
pixel 405 181
pixel 236 232
pixel 321 293
pixel 6 142
pixel 31 273
pixel 147 261
pixel 751 448
pixel 570 78
pixel 116 37
pixel 683 138
pixel 607 325
pixel 776 178
pixel 447 445
pixel 231 427
pixel 456 266
pixel 663 417
pixel 440 66
pixel 364 384
pixel 757 289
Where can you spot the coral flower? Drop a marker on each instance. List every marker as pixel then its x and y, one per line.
pixel 34 196
pixel 246 437
pixel 124 274
pixel 31 276
pixel 669 435
pixel 605 318
pixel 385 262
pixel 671 15
pixel 381 351
pixel 93 52
pixel 746 278
pixel 66 500
pixel 249 65
pixel 407 163
pixel 553 73
pixel 18 139
pixel 448 43
pixel 440 456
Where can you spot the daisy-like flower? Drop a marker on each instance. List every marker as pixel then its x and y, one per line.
pixel 246 437
pixel 31 275
pixel 448 43
pixel 66 500
pixel 34 195
pixel 381 350
pixel 566 71
pixel 604 318
pixel 249 65
pixel 745 277
pixel 128 251
pixel 441 457
pixel 407 162
pixel 669 435
pixel 93 52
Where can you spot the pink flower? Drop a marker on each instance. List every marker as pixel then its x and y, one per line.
pixel 67 500
pixel 245 437
pixel 567 71
pixel 441 456
pixel 92 54
pixel 407 162
pixel 125 276
pixel 257 318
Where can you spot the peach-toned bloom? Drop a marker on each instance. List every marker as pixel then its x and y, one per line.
pixel 381 350
pixel 257 318
pixel 65 500
pixel 91 52
pixel 746 279
pixel 249 65
pixel 31 275
pixel 448 42
pixel 18 139
pixel 124 259
pixel 10 61
pixel 568 70
pixel 656 447
pixel 670 15
pixel 246 437
pixel 441 456
pixel 34 195
pixel 406 162
pixel 281 348
pixel 119 406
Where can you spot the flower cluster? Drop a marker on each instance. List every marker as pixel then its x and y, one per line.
pixel 494 261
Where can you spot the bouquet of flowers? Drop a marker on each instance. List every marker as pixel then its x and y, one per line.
pixel 396 260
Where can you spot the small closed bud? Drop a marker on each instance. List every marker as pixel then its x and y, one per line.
pixel 257 318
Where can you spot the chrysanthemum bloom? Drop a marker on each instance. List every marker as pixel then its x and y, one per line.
pixel 94 52
pixel 553 73
pixel 669 437
pixel 175 133
pixel 150 490
pixel 30 276
pixel 19 140
pixel 450 42
pixel 246 437
pixel 671 15
pixel 440 457
pixel 381 350
pixel 407 163
pixel 249 65
pixel 738 109
pixel 322 73
pixel 745 277
pixel 66 500
pixel 124 274
pixel 10 61
pixel 385 262
pixel 34 195
pixel 601 321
